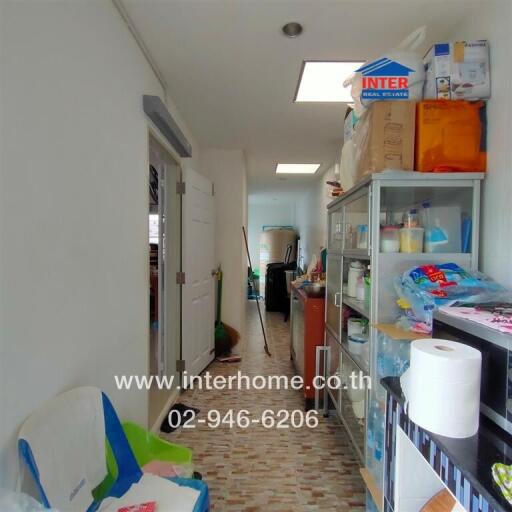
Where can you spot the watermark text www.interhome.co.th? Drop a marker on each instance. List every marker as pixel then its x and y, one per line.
pixel 240 381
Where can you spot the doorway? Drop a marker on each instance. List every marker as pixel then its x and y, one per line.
pixel 164 264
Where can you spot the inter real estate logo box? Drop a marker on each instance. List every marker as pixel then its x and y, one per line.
pixel 385 79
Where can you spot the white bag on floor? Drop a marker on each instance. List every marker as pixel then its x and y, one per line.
pixel 406 54
pixel 170 496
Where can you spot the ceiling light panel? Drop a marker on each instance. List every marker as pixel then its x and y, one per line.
pixel 323 81
pixel 297 168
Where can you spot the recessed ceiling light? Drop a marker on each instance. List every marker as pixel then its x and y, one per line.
pixel 292 29
pixel 297 168
pixel 323 81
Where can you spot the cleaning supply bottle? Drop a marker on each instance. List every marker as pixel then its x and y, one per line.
pixel 435 236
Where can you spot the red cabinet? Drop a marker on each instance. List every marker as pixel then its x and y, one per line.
pixel 307 321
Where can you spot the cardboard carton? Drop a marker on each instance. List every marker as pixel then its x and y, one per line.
pixel 458 71
pixel 384 137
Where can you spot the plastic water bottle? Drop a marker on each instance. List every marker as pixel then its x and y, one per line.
pixel 378 449
pixel 370 437
pixel 384 361
pixel 378 433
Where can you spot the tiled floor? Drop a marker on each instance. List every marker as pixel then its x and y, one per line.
pixel 259 469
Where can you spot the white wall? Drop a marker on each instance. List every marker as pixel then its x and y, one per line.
pixel 227 170
pixel 270 214
pixel 73 209
pixel 493 21
pixel 311 217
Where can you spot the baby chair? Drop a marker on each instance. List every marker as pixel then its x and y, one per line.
pixel 64 445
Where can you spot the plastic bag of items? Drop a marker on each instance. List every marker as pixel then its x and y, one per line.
pixel 19 502
pixel 422 289
pixel 404 54
pixel 348 165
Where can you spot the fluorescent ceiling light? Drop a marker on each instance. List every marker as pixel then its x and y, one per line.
pixel 297 168
pixel 323 81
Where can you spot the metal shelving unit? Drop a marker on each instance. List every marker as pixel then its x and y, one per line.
pixel 372 202
pixel 357 305
pixel 356 360
pixel 357 254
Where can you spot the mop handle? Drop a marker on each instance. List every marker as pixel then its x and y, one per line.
pixel 257 298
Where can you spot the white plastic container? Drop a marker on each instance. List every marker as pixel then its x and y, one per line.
pixel 390 239
pixel 356 343
pixel 360 289
pixel 411 240
pixel 354 326
pixel 356 388
pixel 355 271
pixel 359 409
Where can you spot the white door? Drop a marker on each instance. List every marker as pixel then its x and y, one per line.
pixel 198 302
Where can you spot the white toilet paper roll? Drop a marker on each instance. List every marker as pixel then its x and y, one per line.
pixel 442 387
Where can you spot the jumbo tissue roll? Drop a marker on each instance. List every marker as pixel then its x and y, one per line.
pixel 442 387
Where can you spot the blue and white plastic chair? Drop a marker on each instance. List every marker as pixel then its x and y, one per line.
pixel 64 447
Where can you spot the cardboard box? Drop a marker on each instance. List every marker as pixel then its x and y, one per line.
pixel 458 71
pixel 384 137
pixel 451 136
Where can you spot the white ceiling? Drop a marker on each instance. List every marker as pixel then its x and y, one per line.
pixel 233 75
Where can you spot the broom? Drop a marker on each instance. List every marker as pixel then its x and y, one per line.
pixel 226 337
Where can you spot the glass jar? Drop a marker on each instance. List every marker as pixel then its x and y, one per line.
pixel 411 219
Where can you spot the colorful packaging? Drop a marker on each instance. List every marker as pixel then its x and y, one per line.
pixel 447 283
pixel 451 136
pixel 423 289
pixel 458 71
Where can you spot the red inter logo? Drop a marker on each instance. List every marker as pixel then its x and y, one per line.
pixel 385 82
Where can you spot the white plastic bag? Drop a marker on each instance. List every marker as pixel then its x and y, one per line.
pixel 19 502
pixel 348 165
pixel 405 53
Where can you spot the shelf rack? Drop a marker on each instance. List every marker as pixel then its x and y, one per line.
pixel 372 202
pixel 357 305
pixel 357 360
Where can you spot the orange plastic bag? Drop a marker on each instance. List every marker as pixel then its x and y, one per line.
pixel 450 136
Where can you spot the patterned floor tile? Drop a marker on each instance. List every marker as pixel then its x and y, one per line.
pixel 258 469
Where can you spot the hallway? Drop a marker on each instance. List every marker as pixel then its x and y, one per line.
pixel 299 470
